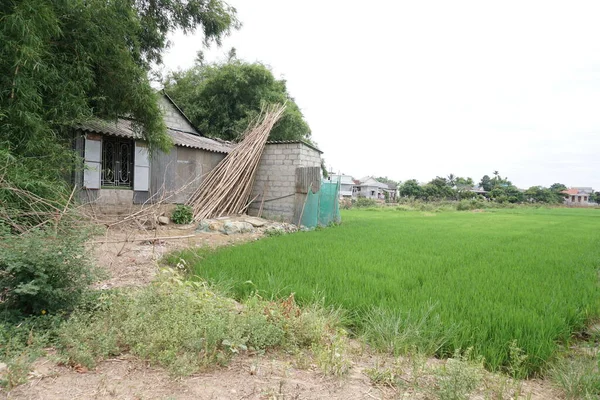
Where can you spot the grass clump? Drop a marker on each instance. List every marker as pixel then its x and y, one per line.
pixel 578 376
pixel 22 341
pixel 187 326
pixel 460 376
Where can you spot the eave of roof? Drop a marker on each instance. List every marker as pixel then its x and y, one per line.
pixel 295 142
pixel 124 128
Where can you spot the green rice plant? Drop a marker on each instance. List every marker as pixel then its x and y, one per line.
pixel 520 274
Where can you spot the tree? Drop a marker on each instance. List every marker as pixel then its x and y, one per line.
pixel 223 98
pixel 558 187
pixel 540 194
pixel 451 180
pixel 410 188
pixel 463 183
pixel 388 181
pixel 63 62
pixel 486 183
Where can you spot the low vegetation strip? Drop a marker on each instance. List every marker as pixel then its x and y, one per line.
pixel 510 284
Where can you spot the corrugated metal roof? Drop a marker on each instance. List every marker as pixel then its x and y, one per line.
pixel 124 128
pixel 295 142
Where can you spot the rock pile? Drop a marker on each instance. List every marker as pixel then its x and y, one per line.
pixel 244 224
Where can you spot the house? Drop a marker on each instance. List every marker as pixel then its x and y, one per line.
pixel 120 171
pixel 392 192
pixel 578 195
pixel 346 184
pixel 371 188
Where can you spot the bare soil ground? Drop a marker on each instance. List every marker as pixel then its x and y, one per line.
pixel 130 258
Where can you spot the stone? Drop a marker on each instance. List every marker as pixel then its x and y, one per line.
pixel 216 226
pixel 162 220
pixel 203 226
pixel 233 227
pixel 256 222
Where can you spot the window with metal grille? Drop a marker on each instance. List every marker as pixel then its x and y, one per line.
pixel 117 162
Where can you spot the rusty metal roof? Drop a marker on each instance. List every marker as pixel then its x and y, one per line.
pixel 124 128
pixel 312 146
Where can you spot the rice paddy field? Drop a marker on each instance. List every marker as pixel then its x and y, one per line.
pixel 510 283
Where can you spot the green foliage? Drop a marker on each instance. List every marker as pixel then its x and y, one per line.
pixel 42 271
pixel 223 98
pixel 521 274
pixel 364 202
pixel 486 183
pixel 410 188
pixel 186 326
pixel 182 214
pixel 64 61
pixel 540 194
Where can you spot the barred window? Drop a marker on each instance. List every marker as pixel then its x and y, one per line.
pixel 117 162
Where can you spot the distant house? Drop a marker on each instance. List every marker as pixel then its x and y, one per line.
pixel 371 188
pixel 346 184
pixel 578 195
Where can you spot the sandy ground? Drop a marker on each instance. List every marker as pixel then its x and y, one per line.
pixel 130 256
pixel 274 376
pixel 131 259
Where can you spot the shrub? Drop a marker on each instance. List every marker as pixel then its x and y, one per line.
pixel 42 271
pixel 364 202
pixel 182 214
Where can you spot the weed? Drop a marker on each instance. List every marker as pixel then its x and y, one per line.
pixel 459 377
pixel 385 376
pixel 332 354
pixel 182 214
pixel 577 376
pixel 186 326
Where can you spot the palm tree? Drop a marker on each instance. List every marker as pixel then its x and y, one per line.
pixel 451 180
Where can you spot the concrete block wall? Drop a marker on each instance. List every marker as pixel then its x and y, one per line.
pixel 173 118
pixel 275 179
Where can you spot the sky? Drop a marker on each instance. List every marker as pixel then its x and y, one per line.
pixel 418 89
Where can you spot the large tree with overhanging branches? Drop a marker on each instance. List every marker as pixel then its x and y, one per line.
pixel 65 61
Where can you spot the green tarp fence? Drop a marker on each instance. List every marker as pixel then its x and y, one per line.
pixel 323 207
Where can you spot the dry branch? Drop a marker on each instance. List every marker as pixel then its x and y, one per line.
pixel 227 188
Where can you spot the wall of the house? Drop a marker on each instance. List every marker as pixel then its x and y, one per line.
pixel 173 178
pixel 275 181
pixel 173 118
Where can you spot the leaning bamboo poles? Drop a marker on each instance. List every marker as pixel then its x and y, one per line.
pixel 226 189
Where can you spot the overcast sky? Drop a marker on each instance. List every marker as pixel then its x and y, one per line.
pixel 415 89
